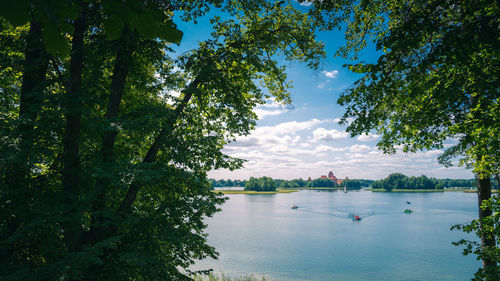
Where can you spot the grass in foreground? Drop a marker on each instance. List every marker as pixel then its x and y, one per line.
pixel 212 277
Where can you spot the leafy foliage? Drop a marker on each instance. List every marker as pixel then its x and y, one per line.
pixel 261 184
pixel 227 183
pixel 400 181
pixel 436 79
pixel 493 231
pixel 103 166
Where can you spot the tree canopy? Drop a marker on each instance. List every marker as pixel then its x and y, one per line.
pixel 261 184
pixel 102 164
pixel 400 181
pixel 436 79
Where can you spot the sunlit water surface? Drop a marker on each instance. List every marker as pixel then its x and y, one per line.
pixel 262 235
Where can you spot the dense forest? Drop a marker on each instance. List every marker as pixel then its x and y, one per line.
pixel 400 181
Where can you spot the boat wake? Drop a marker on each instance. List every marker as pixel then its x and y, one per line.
pixel 340 213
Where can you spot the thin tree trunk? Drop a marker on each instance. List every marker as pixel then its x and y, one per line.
pixel 487 241
pixel 150 157
pixel 71 158
pixel 120 72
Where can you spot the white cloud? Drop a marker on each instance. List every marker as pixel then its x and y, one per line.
pixel 288 127
pixel 328 135
pixel 305 145
pixel 306 3
pixel 303 163
pixel 285 151
pixel 271 108
pixel 271 103
pixel 322 84
pixel 319 150
pixel 326 148
pixel 359 148
pixel 369 137
pixel 262 113
pixel 330 74
pixel 283 133
pixel 433 153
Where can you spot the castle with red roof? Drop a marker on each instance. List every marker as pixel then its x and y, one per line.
pixel 333 178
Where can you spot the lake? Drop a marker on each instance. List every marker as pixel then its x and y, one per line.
pixel 262 235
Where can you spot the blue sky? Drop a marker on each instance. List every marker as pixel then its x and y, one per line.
pixel 304 139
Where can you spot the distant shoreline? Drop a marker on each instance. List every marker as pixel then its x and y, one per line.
pixel 295 189
pixel 406 190
pixel 253 192
pixel 316 188
pixel 428 190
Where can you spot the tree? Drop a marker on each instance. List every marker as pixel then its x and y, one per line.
pixel 261 184
pixel 437 78
pixel 351 184
pixel 322 183
pixel 494 231
pixel 400 181
pixel 103 168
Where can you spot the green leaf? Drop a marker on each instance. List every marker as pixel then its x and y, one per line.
pixel 16 12
pixel 55 43
pixel 113 26
pixel 146 25
pixel 168 31
pixel 68 28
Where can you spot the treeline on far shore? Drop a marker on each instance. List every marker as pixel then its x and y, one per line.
pixel 270 184
pixel 401 181
pixel 393 181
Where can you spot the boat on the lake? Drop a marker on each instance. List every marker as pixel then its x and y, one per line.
pixel 294 207
pixel 408 211
pixel 408 202
pixel 356 218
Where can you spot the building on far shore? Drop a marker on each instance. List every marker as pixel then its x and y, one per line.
pixel 331 177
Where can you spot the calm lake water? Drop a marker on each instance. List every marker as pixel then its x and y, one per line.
pixel 260 234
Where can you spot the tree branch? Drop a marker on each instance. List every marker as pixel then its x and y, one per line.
pixel 158 143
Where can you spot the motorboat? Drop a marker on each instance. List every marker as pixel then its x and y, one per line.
pixel 294 207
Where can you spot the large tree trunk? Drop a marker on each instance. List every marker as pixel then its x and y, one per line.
pixel 71 158
pixel 33 84
pixel 487 239
pixel 18 172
